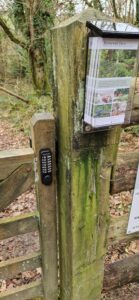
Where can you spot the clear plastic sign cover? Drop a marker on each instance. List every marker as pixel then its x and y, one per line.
pixel 110 75
pixel 106 28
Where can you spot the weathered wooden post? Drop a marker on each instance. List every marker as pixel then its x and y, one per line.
pixel 43 137
pixel 85 164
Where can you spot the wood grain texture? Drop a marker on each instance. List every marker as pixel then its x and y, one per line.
pixel 121 272
pixel 11 267
pixel 125 171
pixel 43 136
pixel 118 228
pixel 84 171
pixel 10 160
pixel 135 106
pixel 17 183
pixel 24 292
pixel 13 226
pixel 24 155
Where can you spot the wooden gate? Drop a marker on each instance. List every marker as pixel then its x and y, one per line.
pixel 16 176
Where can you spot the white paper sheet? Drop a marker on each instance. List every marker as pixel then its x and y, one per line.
pixel 133 224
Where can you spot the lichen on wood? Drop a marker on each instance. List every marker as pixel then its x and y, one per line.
pixel 85 166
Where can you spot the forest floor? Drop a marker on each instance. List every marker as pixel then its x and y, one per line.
pixel 13 135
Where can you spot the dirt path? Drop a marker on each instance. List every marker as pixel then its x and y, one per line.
pixel 10 139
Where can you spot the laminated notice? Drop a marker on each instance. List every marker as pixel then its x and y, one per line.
pixel 133 224
pixel 110 75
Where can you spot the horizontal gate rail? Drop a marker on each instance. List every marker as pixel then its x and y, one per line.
pixel 17 174
pixel 24 155
pixel 17 183
pixel 13 226
pixel 25 292
pixel 10 160
pixel 11 267
pixel 117 230
pixel 125 171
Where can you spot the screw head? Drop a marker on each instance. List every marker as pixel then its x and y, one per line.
pixel 88 128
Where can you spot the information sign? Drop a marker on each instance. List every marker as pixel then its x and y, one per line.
pixel 110 71
pixel 133 224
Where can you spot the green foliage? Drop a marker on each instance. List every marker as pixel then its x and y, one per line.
pixel 19 65
pixel 21 114
pixel 2 34
pixel 19 19
pixel 133 129
pixel 117 63
pixel 42 18
pixel 71 8
pixel 32 21
pixel 67 8
pixel 42 22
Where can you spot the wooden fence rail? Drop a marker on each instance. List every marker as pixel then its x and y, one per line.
pixel 22 224
pixel 121 272
pixel 25 292
pixel 17 174
pixel 11 267
pixel 125 171
pixel 10 160
pixel 117 230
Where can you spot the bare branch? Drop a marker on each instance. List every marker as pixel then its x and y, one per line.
pixel 11 36
pixel 14 95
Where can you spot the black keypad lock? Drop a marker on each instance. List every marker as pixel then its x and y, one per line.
pixel 46 166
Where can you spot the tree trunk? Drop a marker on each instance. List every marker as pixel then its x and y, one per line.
pixel 114 9
pixel 37 56
pixel 137 11
pixel 2 61
pixel 121 272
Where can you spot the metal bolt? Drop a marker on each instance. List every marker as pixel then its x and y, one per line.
pixel 88 128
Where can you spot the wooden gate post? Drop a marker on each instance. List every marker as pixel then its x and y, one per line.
pixel 85 164
pixel 43 136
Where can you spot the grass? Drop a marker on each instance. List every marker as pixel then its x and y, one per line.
pixel 20 113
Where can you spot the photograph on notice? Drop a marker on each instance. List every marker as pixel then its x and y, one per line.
pixel 119 108
pixel 104 96
pixel 102 111
pixel 121 95
pixel 116 63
